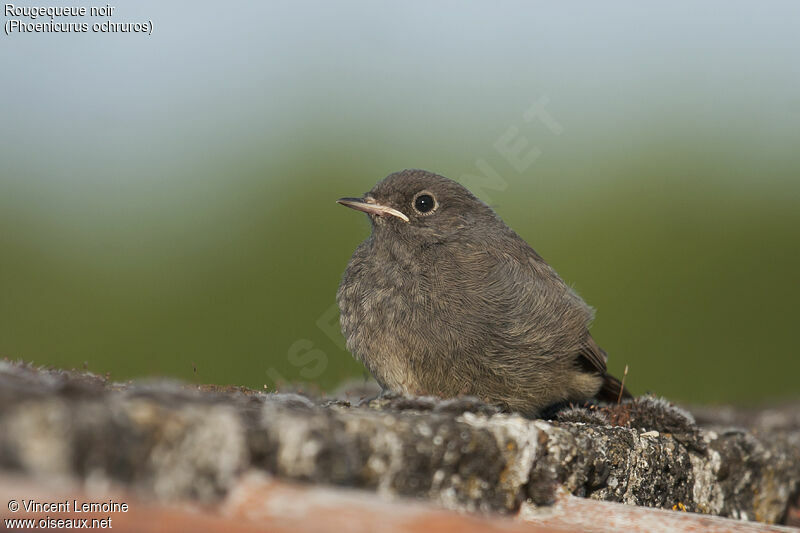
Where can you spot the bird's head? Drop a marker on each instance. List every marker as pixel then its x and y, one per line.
pixel 421 207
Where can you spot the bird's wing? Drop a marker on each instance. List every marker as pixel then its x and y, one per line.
pixel 535 301
pixel 524 299
pixel 612 390
pixel 594 355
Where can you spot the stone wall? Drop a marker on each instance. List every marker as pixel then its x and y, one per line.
pixel 168 441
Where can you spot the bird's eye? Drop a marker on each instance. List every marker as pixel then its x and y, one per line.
pixel 424 203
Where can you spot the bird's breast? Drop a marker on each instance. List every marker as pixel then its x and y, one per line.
pixel 382 301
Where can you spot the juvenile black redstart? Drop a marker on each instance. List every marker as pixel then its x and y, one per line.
pixel 444 299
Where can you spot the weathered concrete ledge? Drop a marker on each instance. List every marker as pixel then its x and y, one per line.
pixel 170 441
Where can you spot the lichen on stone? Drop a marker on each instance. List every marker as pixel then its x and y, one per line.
pixel 167 440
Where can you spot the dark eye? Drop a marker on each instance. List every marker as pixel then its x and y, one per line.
pixel 424 203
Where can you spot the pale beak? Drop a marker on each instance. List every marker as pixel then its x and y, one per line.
pixel 368 205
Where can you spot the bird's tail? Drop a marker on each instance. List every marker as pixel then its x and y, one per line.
pixel 612 390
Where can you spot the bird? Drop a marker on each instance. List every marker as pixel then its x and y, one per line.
pixel 444 299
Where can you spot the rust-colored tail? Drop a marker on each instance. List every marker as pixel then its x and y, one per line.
pixel 610 390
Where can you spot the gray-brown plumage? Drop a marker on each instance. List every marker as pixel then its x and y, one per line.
pixel 445 299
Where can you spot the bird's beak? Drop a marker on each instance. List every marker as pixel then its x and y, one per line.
pixel 370 206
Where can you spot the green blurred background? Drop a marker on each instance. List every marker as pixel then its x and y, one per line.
pixel 167 202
